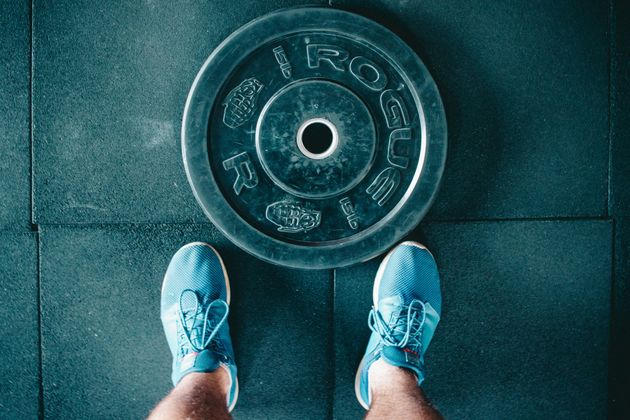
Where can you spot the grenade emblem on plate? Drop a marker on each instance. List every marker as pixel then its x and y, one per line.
pixel 292 218
pixel 240 103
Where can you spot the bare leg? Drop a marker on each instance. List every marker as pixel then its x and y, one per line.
pixel 396 394
pixel 196 396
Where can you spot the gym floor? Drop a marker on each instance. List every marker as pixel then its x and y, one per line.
pixel 531 229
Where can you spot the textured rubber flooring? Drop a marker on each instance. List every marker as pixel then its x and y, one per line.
pixel 531 230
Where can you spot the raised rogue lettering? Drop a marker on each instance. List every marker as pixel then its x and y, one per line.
pixel 348 210
pixel 396 155
pixel 283 61
pixel 394 109
pixel 368 73
pixel 245 173
pixel 384 185
pixel 325 52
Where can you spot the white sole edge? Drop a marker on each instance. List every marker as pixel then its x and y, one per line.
pixel 357 386
pixel 231 407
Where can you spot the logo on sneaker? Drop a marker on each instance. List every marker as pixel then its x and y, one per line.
pixel 187 361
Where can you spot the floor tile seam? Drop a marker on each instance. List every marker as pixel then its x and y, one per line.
pixel 40 354
pixel 424 222
pixel 332 345
pixel 618 216
pixel 518 219
pixel 31 119
pixel 119 224
pixel 18 230
pixel 612 322
pixel 612 67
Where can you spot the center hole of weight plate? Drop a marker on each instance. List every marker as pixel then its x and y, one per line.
pixel 317 138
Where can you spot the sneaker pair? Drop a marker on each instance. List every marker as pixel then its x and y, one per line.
pixel 195 305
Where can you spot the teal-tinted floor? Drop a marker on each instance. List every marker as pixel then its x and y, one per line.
pixel 531 229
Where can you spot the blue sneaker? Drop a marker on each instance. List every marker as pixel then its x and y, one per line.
pixel 406 311
pixel 195 306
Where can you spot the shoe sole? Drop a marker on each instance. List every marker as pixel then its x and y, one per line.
pixel 377 285
pixel 228 294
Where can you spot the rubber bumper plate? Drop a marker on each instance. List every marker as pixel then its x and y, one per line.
pixel 314 138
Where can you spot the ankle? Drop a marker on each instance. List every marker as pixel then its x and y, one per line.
pixel 215 383
pixel 387 379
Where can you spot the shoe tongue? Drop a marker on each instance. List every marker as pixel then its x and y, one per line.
pixel 204 361
pixel 404 358
pixel 390 303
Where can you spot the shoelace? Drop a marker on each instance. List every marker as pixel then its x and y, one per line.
pixel 206 325
pixel 401 331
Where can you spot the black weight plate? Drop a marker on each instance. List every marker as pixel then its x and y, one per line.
pixel 314 138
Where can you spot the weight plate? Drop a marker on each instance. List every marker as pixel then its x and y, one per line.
pixel 314 138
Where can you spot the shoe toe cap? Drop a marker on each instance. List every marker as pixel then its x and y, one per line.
pixel 411 273
pixel 197 267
